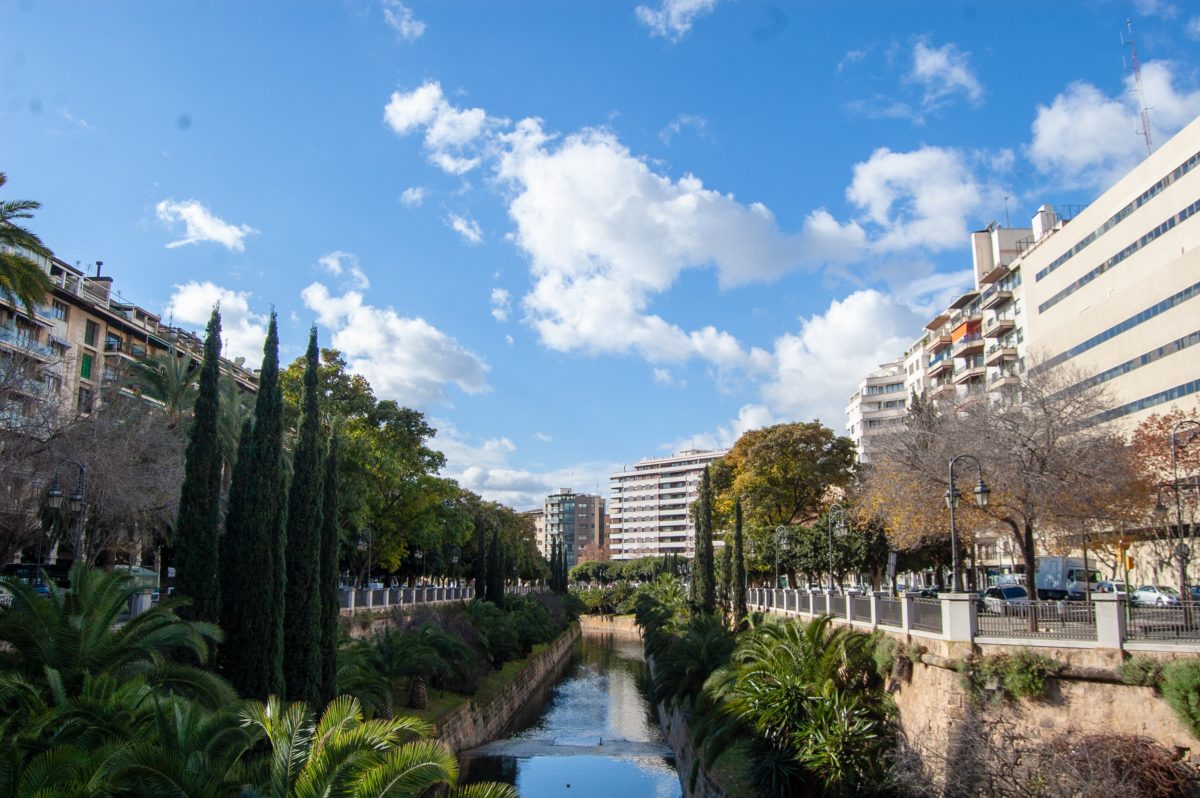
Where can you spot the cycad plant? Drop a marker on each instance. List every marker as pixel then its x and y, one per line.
pixel 681 670
pixel 375 671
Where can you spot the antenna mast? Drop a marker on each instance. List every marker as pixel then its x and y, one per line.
pixel 1141 94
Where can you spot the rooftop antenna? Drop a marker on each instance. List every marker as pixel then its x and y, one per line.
pixel 1144 112
pixel 1007 222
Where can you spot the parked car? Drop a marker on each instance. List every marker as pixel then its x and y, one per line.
pixel 1195 591
pixel 1003 600
pixel 1112 586
pixel 1156 596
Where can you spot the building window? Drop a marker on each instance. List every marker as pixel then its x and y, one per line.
pixel 85 366
pixel 91 331
pixel 58 310
pixel 85 400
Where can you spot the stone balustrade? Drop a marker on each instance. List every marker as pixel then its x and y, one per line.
pixel 382 598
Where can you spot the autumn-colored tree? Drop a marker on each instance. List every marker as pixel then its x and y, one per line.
pixel 1172 479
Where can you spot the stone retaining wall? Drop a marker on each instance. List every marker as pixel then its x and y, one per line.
pixel 679 737
pixel 619 624
pixel 471 725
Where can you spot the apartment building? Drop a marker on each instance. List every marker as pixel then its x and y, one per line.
pixel 575 520
pixel 649 505
pixel 538 516
pixel 55 360
pixel 1115 294
pixel 879 402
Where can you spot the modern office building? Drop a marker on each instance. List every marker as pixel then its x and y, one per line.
pixel 880 401
pixel 575 520
pixel 649 505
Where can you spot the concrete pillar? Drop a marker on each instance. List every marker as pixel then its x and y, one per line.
pixel 876 595
pixel 1110 619
pixel 959 617
pixel 139 602
pixel 348 600
pixel 906 612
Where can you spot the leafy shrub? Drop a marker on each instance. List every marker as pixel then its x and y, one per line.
pixel 1181 689
pixel 884 651
pixel 1142 672
pixel 1022 674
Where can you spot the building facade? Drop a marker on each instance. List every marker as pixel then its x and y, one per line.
pixel 575 520
pixel 879 402
pixel 649 505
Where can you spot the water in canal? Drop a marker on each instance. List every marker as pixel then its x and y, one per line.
pixel 596 736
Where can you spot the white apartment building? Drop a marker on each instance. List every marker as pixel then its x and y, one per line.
pixel 879 402
pixel 1115 294
pixel 648 509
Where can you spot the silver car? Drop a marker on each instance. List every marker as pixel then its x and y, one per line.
pixel 1004 600
pixel 1156 596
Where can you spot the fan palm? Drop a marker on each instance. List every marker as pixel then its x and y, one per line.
pixel 167 377
pixel 374 670
pixel 21 280
pixel 56 641
pixel 344 754
pixel 681 670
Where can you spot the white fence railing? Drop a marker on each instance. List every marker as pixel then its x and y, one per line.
pixel 381 598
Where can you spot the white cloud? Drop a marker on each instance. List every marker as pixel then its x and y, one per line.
pixel 501 304
pixel 923 198
pixel 449 131
pixel 243 331
pixel 682 122
pixel 338 263
pixel 818 367
pixel 542 437
pixel 401 19
pixel 673 19
pixel 508 339
pixel 1087 139
pixel 943 72
pixel 665 377
pixel 406 359
pixel 413 197
pixel 1192 28
pixel 752 416
pixel 483 465
pixel 466 227
pixel 201 225
pixel 850 58
pixel 1156 8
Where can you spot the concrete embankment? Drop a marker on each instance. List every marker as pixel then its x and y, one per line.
pixel 471 725
pixel 615 624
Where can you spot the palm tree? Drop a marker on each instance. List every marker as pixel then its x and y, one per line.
pixel 166 377
pixel 374 670
pixel 344 754
pixel 681 670
pixel 21 279
pixel 54 642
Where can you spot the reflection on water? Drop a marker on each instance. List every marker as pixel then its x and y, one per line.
pixel 598 699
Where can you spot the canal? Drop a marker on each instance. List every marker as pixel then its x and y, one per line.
pixel 596 736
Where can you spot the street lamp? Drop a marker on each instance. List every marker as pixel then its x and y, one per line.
pixel 369 535
pixel 841 530
pixel 781 547
pixel 54 498
pixel 1181 549
pixel 952 499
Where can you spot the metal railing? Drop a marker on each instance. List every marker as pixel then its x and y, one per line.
pixel 820 603
pixel 889 612
pixel 382 598
pixel 1163 623
pixel 860 608
pixel 1062 620
pixel 926 615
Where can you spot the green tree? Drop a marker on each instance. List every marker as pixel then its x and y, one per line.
pixel 21 279
pixel 168 377
pixel 197 532
pixel 740 610
pixel 495 570
pixel 252 612
pixel 302 667
pixel 330 599
pixel 704 577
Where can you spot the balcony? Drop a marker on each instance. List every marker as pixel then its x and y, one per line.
pixel 1003 379
pixel 974 372
pixel 943 365
pixel 943 390
pixel 938 342
pixel 968 345
pixel 997 355
pixel 994 298
pixel 998 327
pixel 20 340
pixel 997 272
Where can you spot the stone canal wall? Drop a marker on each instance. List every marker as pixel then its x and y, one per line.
pixel 679 737
pixel 616 624
pixel 471 725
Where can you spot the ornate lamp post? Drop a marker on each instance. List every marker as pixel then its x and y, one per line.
pixel 781 546
pixel 1181 549
pixel 952 499
pixel 368 534
pixel 840 511
pixel 54 498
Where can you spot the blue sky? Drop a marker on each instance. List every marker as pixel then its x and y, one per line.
pixel 581 233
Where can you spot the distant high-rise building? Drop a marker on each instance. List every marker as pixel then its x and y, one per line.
pixel 575 520
pixel 649 505
pixel 879 402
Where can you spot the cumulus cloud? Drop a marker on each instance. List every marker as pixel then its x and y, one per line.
pixel 1086 138
pixel 751 416
pixel 665 377
pixel 484 466
pixel 923 198
pixel 200 224
pixel 698 124
pixel 243 330
pixel 401 19
pixel 466 227
pixel 449 131
pixel 501 304
pixel 818 367
pixel 943 72
pixel 340 263
pixel 673 19
pixel 412 197
pixel 406 359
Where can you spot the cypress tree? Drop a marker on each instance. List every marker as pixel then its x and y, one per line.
pixel 253 605
pixel 330 600
pixel 197 530
pixel 302 604
pixel 706 582
pixel 740 611
pixel 232 572
pixel 495 580
pixel 727 579
pixel 480 558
